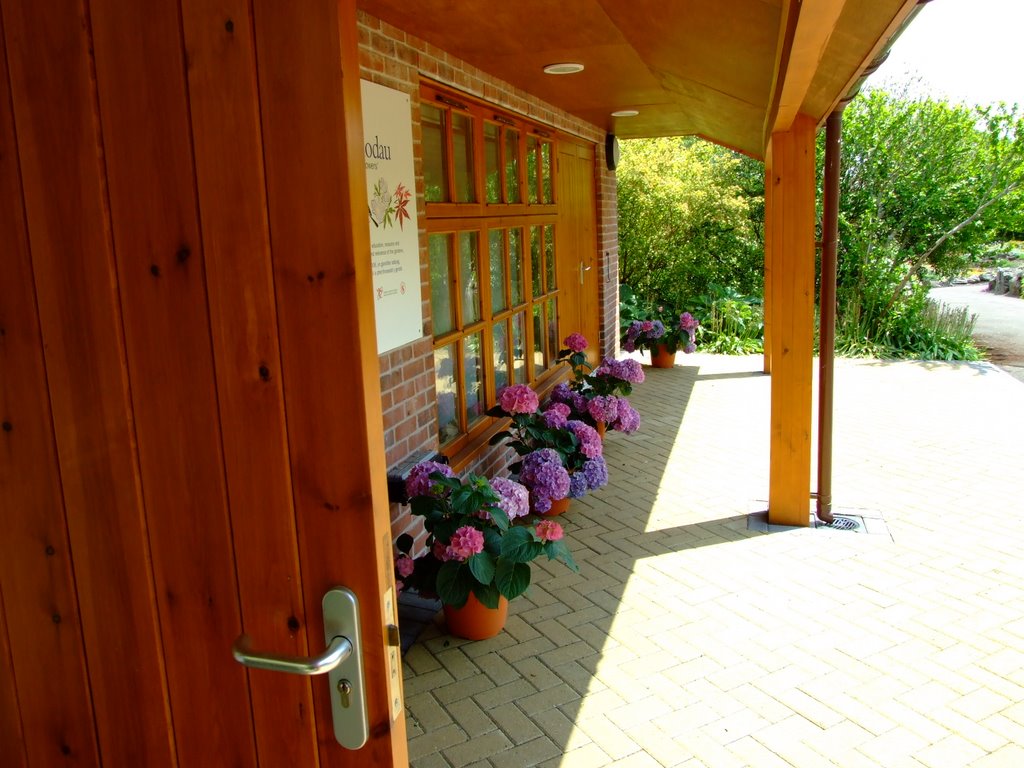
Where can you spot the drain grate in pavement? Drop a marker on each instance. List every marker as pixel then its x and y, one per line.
pixel 843 524
pixel 850 520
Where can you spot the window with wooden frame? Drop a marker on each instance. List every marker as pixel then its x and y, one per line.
pixel 491 218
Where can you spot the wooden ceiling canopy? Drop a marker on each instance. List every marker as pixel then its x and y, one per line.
pixel 732 71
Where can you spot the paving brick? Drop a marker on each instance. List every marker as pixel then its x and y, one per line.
pixel 689 640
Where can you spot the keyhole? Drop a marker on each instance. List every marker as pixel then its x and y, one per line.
pixel 345 688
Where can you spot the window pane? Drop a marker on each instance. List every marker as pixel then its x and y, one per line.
pixel 447 393
pixel 512 166
pixel 515 256
pixel 462 148
pixel 432 120
pixel 549 255
pixel 469 273
pixel 536 264
pixel 441 284
pixel 473 359
pixel 539 334
pixel 545 170
pixel 500 355
pixel 552 318
pixel 492 163
pixel 519 346
pixel 531 169
pixel 497 248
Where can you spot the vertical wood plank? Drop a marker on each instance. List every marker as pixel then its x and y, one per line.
pixel 41 610
pixel 232 196
pixel 12 740
pixel 65 203
pixel 792 289
pixel 312 125
pixel 140 71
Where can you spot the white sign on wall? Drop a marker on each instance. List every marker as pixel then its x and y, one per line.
pixel 394 239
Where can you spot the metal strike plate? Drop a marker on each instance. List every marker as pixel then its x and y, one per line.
pixel 347 684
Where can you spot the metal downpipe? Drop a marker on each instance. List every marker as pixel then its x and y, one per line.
pixel 827 312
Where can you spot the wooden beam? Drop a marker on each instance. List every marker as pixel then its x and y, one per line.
pixel 789 237
pixel 769 324
pixel 814 27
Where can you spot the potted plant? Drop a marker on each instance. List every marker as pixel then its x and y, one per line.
pixel 663 339
pixel 561 457
pixel 598 395
pixel 480 543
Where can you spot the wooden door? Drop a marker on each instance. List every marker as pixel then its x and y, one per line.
pixel 578 263
pixel 191 440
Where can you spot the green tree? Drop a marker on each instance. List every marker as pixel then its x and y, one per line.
pixel 923 183
pixel 691 214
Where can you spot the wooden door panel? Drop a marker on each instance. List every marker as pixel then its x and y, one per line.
pixel 312 130
pixel 239 278
pixel 12 740
pixel 577 245
pixel 140 73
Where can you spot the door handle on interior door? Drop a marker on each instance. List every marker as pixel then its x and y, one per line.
pixel 582 270
pixel 342 662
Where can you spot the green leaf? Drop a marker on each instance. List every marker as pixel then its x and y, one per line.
pixel 511 579
pixel 404 543
pixel 481 565
pixel 500 517
pixel 499 437
pixel 518 545
pixel 453 584
pixel 487 594
pixel 557 550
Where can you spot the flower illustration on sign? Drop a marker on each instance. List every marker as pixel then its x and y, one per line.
pixel 387 208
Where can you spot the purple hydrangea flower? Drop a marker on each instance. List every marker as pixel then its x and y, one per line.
pixel 590 441
pixel 542 472
pixel 603 408
pixel 576 342
pixel 515 498
pixel 628 420
pixel 687 322
pixel 596 473
pixel 419 483
pixel 562 393
pixel 626 370
pixel 690 348
pixel 577 485
pixel 556 415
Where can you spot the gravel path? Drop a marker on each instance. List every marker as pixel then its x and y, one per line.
pixel 1000 324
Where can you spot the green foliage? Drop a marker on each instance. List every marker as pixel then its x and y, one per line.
pixel 923 185
pixel 690 214
pixel 730 323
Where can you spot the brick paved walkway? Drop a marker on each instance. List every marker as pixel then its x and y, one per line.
pixel 689 640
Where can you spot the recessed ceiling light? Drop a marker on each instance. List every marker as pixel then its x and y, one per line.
pixel 564 68
pixel 626 113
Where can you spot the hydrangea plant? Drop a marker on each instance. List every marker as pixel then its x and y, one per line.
pixel 479 538
pixel 598 394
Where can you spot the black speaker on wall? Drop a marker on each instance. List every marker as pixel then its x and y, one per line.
pixel 611 151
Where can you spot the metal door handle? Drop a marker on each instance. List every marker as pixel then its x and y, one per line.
pixel 582 270
pixel 342 662
pixel 339 649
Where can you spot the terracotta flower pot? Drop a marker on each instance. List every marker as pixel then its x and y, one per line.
pixel 601 428
pixel 474 620
pixel 558 507
pixel 662 358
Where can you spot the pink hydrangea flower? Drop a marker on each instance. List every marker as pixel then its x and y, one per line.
pixel 687 322
pixel 549 530
pixel 405 566
pixel 466 542
pixel 518 398
pixel 439 551
pixel 419 482
pixel 515 498
pixel 576 342
pixel 556 414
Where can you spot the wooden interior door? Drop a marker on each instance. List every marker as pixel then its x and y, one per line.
pixel 191 440
pixel 578 263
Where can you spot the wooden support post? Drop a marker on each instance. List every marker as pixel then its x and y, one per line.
pixel 768 306
pixel 789 238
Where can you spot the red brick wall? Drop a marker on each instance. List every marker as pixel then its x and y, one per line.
pixel 390 57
